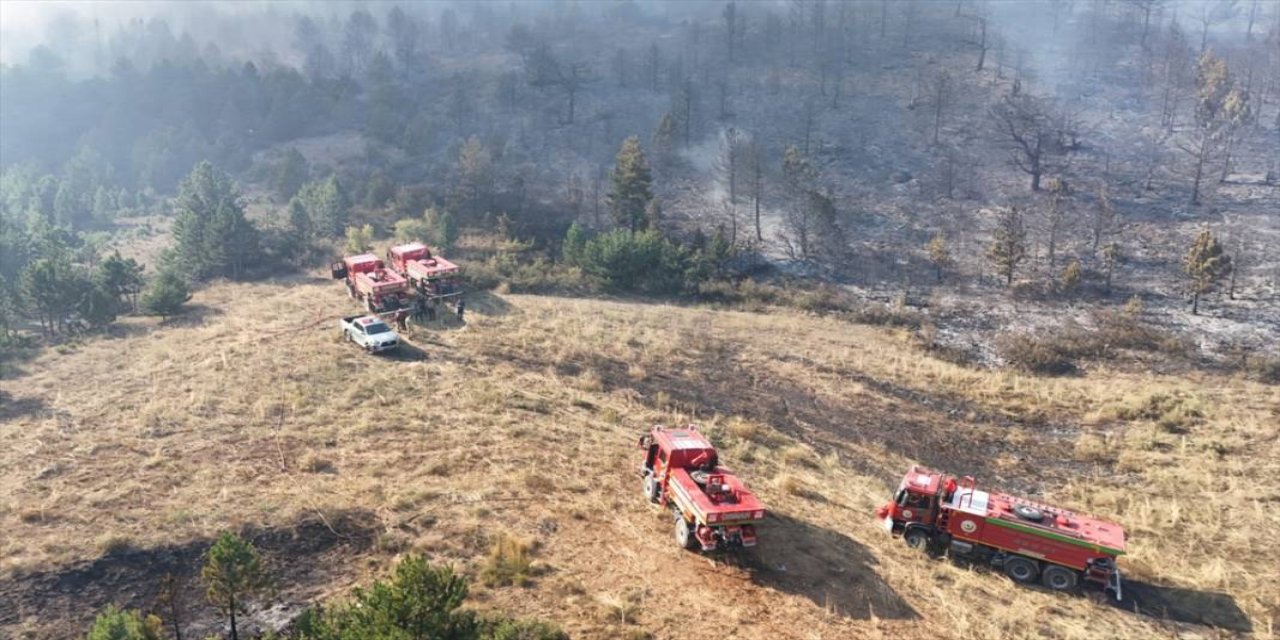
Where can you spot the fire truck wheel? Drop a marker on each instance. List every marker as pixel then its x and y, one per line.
pixel 651 487
pixel 916 538
pixel 684 534
pixel 1021 569
pixel 1058 578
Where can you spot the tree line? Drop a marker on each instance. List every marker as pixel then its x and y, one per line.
pixel 417 601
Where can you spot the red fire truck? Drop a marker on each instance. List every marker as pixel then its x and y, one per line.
pixel 713 509
pixel 431 276
pixel 1029 540
pixel 369 281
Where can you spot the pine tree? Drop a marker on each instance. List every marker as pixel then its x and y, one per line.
pixel 1071 277
pixel 1008 243
pixel 939 254
pixel 114 624
pixel 1205 264
pixel 664 141
pixel 632 187
pixel 233 571
pixel 359 240
pixel 327 206
pixel 212 236
pixel 290 175
pixel 166 295
pixel 1110 257
pixel 575 240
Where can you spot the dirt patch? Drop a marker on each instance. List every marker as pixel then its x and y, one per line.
pixel 303 556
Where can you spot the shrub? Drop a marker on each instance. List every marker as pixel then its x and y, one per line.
pixel 521 630
pixel 1266 369
pixel 420 601
pixel 166 295
pixel 508 563
pixel 1031 354
pixel 635 261
pixel 114 624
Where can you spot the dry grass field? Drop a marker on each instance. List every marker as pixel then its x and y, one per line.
pixel 125 453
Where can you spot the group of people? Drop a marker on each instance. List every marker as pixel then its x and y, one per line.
pixel 424 310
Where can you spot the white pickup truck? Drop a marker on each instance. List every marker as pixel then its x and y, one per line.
pixel 369 332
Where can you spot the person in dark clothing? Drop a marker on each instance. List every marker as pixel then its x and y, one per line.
pixel 431 310
pixel 461 307
pixel 420 309
pixel 402 319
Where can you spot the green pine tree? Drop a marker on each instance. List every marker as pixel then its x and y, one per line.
pixel 233 572
pixel 166 295
pixel 575 241
pixel 212 236
pixel 1205 264
pixel 1008 243
pixel 114 624
pixel 632 187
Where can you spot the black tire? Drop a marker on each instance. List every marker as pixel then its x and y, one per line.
pixel 1021 569
pixel 684 534
pixel 1059 578
pixel 1028 513
pixel 651 487
pixel 916 538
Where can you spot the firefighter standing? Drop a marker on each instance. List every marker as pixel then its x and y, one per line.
pixel 461 308
pixel 402 319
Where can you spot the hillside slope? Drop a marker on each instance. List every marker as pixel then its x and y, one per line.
pixel 125 453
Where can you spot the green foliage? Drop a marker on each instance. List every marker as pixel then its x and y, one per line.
pixel 443 229
pixel 521 630
pixel 419 601
pixel 114 624
pixel 508 563
pixel 359 240
pixel 939 254
pixel 212 236
pixel 575 244
pixel 121 278
pixel 233 571
pixel 631 187
pixel 642 261
pixel 326 205
pixel 1008 246
pixel 166 294
pixel 290 174
pixel 1205 264
pixel 413 230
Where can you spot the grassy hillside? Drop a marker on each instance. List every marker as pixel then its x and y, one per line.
pixel 249 412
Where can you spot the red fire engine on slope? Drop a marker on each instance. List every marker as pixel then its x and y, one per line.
pixel 431 276
pixel 368 280
pixel 1029 540
pixel 713 509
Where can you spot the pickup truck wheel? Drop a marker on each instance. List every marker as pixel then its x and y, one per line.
pixel 1021 569
pixel 650 487
pixel 684 534
pixel 1058 578
pixel 916 538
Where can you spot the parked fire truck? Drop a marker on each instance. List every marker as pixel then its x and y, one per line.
pixel 1029 540
pixel 713 508
pixel 369 281
pixel 430 275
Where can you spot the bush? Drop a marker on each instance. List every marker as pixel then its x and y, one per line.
pixel 635 261
pixel 114 624
pixel 521 630
pixel 508 563
pixel 1266 369
pixel 1031 354
pixel 166 295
